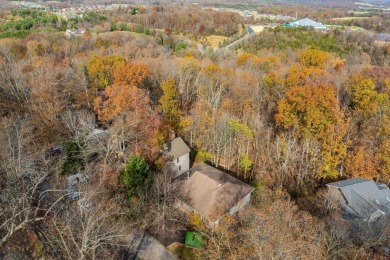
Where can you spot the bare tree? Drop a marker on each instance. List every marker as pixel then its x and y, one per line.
pixel 22 178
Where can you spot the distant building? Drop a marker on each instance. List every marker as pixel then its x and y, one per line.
pixel 178 154
pixel 306 22
pixel 74 32
pixel 361 198
pixel 212 193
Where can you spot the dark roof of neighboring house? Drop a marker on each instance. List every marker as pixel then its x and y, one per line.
pixel 347 182
pixel 364 197
pixel 145 247
pixel 176 148
pixel 211 192
pixel 383 37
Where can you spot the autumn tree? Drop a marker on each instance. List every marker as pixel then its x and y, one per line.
pixel 360 163
pixel 313 112
pixel 364 99
pixel 313 58
pixel 308 109
pixel 128 108
pixel 100 69
pixel 170 103
pixel 300 75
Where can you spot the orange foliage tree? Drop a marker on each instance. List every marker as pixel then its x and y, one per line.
pixel 125 94
pixel 360 163
pixel 125 102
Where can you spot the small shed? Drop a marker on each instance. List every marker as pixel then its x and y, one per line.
pixel 194 239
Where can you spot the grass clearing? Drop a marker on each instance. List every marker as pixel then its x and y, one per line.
pixel 214 40
pixel 257 28
pixel 348 18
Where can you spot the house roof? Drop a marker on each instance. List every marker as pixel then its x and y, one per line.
pixel 309 22
pixel 211 192
pixel 145 247
pixel 348 182
pixel 304 22
pixel 383 37
pixel 364 197
pixel 177 148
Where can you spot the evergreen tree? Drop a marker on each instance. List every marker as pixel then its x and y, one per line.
pixel 136 176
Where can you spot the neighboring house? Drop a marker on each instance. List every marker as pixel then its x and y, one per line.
pixel 212 193
pixel 382 38
pixel 74 32
pixel 73 180
pixel 143 246
pixel 178 156
pixel 76 179
pixel 361 198
pixel 306 22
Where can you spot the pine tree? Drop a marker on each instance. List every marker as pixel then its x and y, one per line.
pixel 136 176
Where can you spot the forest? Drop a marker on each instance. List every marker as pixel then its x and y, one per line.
pixel 287 112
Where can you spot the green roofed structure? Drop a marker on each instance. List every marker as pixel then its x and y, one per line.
pixel 194 239
pixel 306 22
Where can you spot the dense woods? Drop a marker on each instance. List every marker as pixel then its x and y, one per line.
pixel 286 112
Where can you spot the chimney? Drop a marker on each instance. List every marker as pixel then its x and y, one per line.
pixel 172 134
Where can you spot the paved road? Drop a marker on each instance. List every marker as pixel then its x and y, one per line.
pixel 239 41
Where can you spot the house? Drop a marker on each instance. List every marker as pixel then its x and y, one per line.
pixel 306 22
pixel 143 246
pixel 74 32
pixel 212 193
pixel 178 154
pixel 382 38
pixel 76 179
pixel 361 198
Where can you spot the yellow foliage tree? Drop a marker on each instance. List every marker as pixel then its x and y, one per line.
pixel 299 75
pixel 100 70
pixel 314 113
pixel 170 103
pixel 313 58
pixel 309 109
pixel 364 98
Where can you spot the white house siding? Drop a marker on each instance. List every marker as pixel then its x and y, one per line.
pixel 181 165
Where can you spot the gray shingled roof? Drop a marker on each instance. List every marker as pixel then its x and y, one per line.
pixel 364 197
pixel 347 182
pixel 176 148
pixel 212 192
pixel 145 247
